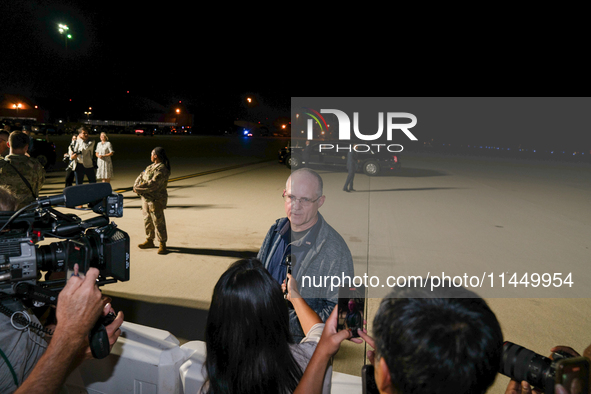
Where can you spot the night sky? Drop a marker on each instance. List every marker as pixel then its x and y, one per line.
pixel 170 53
pixel 210 60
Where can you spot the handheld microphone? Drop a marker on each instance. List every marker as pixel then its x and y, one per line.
pixel 77 195
pixel 288 263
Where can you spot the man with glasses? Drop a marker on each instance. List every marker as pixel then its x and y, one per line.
pixel 316 249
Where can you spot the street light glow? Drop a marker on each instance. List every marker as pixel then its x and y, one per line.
pixel 64 29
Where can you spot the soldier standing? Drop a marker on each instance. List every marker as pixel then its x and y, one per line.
pixel 150 185
pixel 22 175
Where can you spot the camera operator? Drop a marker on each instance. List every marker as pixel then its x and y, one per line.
pixel 82 156
pixel 67 160
pixel 524 387
pixel 446 341
pixel 24 348
pixel 79 306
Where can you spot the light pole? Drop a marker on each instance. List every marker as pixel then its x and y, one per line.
pixel 63 29
pixel 17 107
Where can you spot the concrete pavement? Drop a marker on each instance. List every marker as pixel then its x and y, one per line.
pixel 439 213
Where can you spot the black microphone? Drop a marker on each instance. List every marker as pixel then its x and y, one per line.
pixel 288 263
pixel 78 195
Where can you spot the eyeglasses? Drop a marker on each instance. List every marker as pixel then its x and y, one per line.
pixel 304 202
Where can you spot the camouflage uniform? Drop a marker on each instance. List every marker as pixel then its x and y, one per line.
pixel 31 169
pixel 151 186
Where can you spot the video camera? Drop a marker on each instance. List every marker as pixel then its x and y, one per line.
pixel 94 242
pixel 544 373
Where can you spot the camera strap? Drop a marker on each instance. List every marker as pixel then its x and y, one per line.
pixel 9 365
pixel 24 180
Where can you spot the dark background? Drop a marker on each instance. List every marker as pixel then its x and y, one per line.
pixel 166 53
pixel 210 58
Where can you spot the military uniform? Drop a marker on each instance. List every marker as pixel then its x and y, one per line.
pixel 151 186
pixel 31 169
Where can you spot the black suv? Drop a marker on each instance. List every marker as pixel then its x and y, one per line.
pixel 371 162
pixel 145 130
pixel 44 152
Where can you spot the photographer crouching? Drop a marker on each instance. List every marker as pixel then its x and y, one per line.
pixel 37 359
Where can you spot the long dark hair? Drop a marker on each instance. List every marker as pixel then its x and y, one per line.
pixel 247 334
pixel 161 153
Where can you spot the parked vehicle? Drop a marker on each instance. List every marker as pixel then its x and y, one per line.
pixel 45 128
pixel 44 151
pixel 371 161
pixel 145 130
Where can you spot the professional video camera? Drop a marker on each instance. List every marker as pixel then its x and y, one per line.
pixel 544 373
pixel 95 242
pixel 90 243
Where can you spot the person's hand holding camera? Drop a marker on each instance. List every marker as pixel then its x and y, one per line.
pixel 113 329
pixel 515 387
pixel 79 306
pixel 328 346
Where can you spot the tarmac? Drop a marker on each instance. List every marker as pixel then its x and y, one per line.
pixel 439 214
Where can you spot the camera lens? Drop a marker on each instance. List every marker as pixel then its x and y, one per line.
pixel 52 257
pixel 520 364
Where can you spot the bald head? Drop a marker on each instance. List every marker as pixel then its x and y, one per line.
pixel 308 176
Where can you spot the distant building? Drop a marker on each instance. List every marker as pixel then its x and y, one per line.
pixel 113 109
pixel 14 106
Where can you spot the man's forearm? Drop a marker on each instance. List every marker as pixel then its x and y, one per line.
pixel 61 357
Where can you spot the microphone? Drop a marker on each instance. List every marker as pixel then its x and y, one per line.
pixel 78 195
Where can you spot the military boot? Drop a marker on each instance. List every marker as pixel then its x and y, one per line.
pixel 162 248
pixel 148 244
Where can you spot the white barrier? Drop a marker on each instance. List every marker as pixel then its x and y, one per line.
pixel 147 360
pixel 143 361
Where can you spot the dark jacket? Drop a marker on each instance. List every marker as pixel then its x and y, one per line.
pixel 352 161
pixel 328 255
